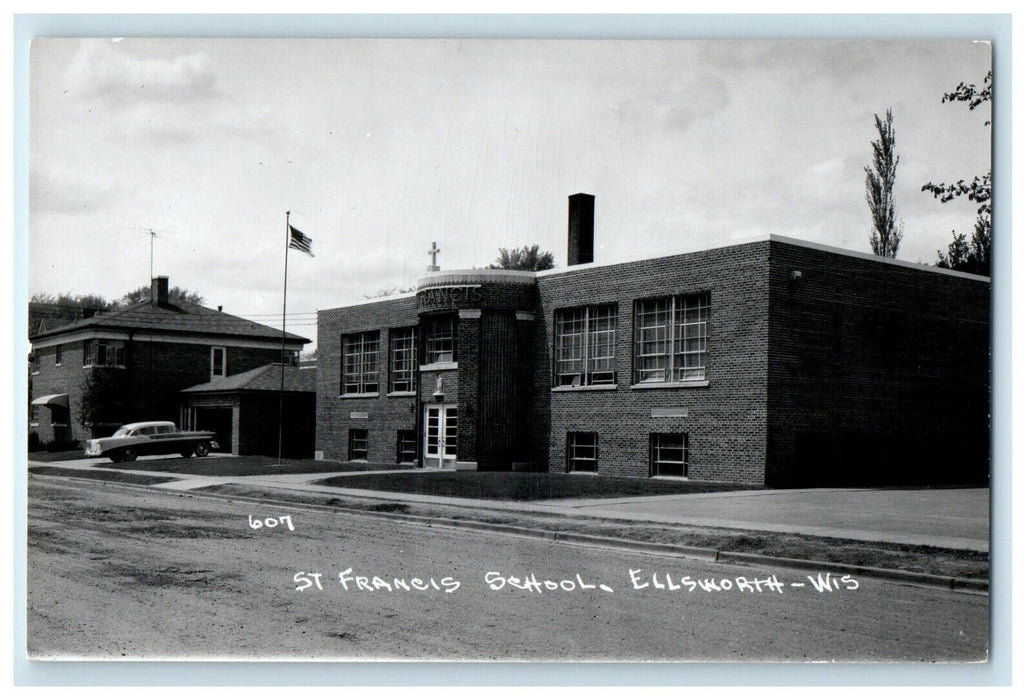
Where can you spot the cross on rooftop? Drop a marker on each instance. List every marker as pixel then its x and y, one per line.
pixel 433 252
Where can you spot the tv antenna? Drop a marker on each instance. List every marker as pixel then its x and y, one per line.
pixel 153 233
pixel 153 236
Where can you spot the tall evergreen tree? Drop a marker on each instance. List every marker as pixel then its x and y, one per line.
pixel 879 178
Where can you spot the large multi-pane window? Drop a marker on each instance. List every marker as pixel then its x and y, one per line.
pixel 403 360
pixel 358 443
pixel 439 344
pixel 671 338
pixel 104 353
pixel 582 452
pixel 586 346
pixel 668 454
pixel 360 363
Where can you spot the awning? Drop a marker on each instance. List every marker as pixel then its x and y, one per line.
pixel 51 400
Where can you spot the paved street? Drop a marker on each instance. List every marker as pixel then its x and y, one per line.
pixel 115 572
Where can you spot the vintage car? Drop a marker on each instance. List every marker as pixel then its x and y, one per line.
pixel 151 438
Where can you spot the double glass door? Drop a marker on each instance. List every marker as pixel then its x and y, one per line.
pixel 441 429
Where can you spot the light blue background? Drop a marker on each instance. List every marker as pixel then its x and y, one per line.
pixel 996 28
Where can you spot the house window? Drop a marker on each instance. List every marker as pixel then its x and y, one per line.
pixel 440 339
pixel 57 355
pixel 358 447
pixel 34 415
pixel 582 452
pixel 218 362
pixel 403 360
pixel 360 363
pixel 34 363
pixel 104 353
pixel 671 338
pixel 668 454
pixel 586 344
pixel 406 446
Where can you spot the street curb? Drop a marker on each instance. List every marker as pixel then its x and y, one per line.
pixel 953 583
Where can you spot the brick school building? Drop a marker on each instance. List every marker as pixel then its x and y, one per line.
pixel 771 362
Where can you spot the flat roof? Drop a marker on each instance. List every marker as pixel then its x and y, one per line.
pixel 446 276
pixel 774 238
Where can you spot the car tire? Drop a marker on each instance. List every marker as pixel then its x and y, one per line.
pixel 186 453
pixel 128 454
pixel 115 456
pixel 202 449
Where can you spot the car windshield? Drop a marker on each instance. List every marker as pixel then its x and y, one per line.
pixel 122 432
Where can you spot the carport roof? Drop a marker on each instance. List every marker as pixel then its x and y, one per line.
pixel 264 378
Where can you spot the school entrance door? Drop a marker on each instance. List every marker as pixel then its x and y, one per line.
pixel 441 423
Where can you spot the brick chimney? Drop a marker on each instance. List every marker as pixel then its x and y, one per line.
pixel 160 291
pixel 580 229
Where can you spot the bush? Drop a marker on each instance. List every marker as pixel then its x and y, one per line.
pixel 63 445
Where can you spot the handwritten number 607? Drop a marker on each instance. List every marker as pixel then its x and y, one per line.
pixel 258 523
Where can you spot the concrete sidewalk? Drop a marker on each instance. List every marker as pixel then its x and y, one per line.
pixel 948 518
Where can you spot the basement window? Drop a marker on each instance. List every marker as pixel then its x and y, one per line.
pixel 582 452
pixel 668 454
pixel 406 446
pixel 358 444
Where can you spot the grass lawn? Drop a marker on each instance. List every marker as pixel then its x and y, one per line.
pixel 47 456
pixel 145 479
pixel 517 486
pixel 251 465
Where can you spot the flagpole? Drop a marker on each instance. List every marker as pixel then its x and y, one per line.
pixel 283 338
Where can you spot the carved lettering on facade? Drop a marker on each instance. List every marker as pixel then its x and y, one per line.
pixel 453 294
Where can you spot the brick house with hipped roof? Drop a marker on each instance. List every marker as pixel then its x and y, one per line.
pixel 130 364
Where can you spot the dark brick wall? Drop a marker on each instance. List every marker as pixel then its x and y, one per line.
pixel 65 378
pixel 491 385
pixel 879 373
pixel 505 384
pixel 386 414
pixel 154 374
pixel 506 296
pixel 159 371
pixel 726 420
pixel 259 427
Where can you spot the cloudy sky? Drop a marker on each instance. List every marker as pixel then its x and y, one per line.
pixel 379 148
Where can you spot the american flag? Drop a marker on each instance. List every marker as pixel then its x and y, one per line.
pixel 299 241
